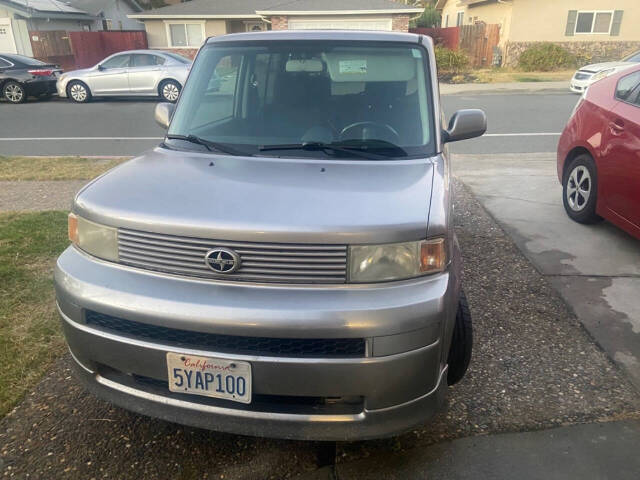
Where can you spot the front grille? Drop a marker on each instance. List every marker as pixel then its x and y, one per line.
pixel 266 346
pixel 582 76
pixel 259 262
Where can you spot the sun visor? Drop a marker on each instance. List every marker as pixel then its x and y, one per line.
pixel 369 67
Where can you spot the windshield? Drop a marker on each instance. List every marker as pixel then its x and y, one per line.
pixel 25 60
pixel 634 57
pixel 258 96
pixel 178 58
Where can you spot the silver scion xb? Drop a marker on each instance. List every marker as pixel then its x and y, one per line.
pixel 284 263
pixel 131 73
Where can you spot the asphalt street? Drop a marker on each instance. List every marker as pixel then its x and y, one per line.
pixel 517 123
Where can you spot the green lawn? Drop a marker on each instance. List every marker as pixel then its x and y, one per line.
pixel 30 334
pixel 54 168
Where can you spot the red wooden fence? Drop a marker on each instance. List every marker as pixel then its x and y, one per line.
pixel 91 47
pixel 478 40
pixel 446 37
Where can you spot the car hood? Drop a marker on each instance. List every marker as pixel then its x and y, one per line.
pixel 78 73
pixel 598 67
pixel 264 199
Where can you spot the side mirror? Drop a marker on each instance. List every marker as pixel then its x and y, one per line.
pixel 465 124
pixel 163 114
pixel 101 68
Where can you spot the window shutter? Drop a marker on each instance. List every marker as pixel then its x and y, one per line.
pixel 617 21
pixel 571 23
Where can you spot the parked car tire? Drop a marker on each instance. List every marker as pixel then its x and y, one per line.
pixel 14 92
pixel 580 190
pixel 78 92
pixel 170 90
pixel 461 343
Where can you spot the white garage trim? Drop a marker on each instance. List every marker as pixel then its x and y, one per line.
pixel 353 23
pixel 395 11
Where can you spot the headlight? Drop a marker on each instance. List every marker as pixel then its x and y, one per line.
pixel 95 239
pixel 396 261
pixel 602 74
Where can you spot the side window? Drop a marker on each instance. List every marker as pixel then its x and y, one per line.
pixel 4 63
pixel 146 60
pixel 119 61
pixel 220 92
pixel 628 88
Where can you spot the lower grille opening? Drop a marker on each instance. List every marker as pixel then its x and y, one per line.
pixel 266 346
pixel 301 405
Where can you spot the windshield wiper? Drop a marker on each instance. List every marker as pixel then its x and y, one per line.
pixel 319 146
pixel 209 145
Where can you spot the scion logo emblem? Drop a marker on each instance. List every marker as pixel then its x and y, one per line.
pixel 222 260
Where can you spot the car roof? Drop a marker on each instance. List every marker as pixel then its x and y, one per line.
pixel 353 35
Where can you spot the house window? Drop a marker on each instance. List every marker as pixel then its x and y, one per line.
pixel 594 22
pixel 460 19
pixel 185 34
pixel 446 20
pixel 107 24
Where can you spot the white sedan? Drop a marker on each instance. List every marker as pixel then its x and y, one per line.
pixel 130 73
pixel 597 71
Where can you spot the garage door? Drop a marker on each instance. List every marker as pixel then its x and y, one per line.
pixel 341 24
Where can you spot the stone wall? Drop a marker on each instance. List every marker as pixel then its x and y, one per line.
pixel 586 52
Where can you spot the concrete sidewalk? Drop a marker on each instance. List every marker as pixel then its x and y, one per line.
pixel 510 87
pixel 596 268
pixel 597 451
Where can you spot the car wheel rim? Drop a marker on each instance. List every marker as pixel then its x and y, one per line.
pixel 13 93
pixel 578 188
pixel 170 92
pixel 78 93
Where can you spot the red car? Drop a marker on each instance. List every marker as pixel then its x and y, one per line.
pixel 599 153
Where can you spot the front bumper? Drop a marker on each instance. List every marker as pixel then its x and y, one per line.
pixel 398 383
pixel 61 87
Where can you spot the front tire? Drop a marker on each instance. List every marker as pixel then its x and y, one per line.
pixel 580 190
pixel 14 92
pixel 170 91
pixel 461 343
pixel 78 92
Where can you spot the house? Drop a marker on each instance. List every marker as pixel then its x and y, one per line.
pixel 110 14
pixel 19 17
pixel 594 29
pixel 185 26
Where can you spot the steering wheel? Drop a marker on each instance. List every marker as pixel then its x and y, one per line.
pixel 371 130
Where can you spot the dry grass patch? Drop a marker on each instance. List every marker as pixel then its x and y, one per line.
pixel 54 168
pixel 30 336
pixel 511 75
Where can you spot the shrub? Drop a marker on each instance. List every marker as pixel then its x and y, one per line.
pixel 430 18
pixel 546 57
pixel 451 60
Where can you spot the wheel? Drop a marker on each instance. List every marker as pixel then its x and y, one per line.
pixel 14 92
pixel 461 343
pixel 78 92
pixel 580 190
pixel 170 90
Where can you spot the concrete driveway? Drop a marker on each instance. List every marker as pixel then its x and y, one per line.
pixel 596 268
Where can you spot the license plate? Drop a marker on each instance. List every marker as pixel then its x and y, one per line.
pixel 211 377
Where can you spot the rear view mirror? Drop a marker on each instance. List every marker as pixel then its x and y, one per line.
pixel 163 114
pixel 464 124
